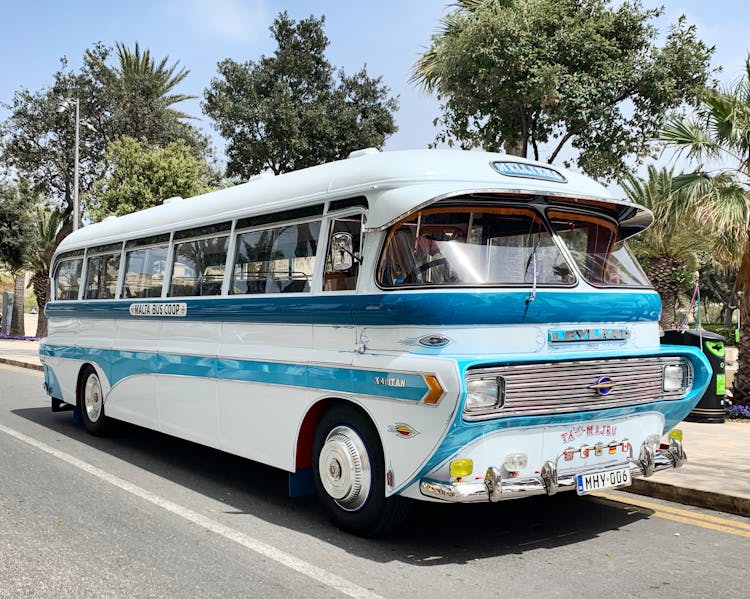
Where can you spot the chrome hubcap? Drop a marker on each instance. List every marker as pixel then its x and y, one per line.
pixel 92 398
pixel 344 468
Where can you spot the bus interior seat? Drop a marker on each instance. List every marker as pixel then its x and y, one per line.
pixel 296 286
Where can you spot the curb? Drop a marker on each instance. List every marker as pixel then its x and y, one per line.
pixel 731 504
pixel 21 364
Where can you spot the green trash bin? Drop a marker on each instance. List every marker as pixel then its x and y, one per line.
pixel 711 406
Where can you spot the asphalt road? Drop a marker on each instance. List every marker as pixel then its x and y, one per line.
pixel 146 515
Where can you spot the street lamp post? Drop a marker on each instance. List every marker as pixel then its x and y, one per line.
pixel 66 104
pixel 76 205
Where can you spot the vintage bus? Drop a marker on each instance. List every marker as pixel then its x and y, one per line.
pixel 437 325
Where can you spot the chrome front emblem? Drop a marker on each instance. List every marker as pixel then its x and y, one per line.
pixel 602 386
pixel 434 341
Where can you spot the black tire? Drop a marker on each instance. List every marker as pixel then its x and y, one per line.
pixel 91 402
pixel 349 474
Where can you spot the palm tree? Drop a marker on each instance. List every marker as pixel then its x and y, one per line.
pixel 669 249
pixel 47 222
pixel 144 94
pixel 717 138
pixel 137 67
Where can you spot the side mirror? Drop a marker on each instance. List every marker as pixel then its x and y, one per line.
pixel 342 251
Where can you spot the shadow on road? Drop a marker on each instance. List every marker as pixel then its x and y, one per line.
pixel 435 534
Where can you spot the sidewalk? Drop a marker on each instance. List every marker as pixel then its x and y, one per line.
pixel 717 473
pixel 716 476
pixel 20 353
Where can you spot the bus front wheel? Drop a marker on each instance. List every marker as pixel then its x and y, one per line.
pixel 91 401
pixel 349 474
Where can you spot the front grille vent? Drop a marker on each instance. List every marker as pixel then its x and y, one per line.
pixel 560 387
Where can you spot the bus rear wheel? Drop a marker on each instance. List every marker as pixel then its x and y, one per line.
pixel 349 474
pixel 91 401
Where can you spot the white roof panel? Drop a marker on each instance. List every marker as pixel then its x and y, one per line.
pixel 395 183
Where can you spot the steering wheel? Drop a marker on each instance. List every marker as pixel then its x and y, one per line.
pixel 432 264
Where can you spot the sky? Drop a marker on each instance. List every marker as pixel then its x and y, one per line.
pixel 387 36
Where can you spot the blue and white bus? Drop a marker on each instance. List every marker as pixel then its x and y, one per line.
pixel 436 325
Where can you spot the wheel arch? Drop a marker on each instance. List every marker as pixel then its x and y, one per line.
pixel 306 432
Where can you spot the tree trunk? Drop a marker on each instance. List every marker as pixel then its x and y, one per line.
pixel 41 291
pixel 17 328
pixel 660 272
pixel 668 318
pixel 741 386
pixel 515 148
pixel 727 312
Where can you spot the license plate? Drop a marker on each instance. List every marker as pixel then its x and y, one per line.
pixel 595 481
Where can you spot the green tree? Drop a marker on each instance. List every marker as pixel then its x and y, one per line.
pixel 37 140
pixel 526 75
pixel 669 250
pixel 717 286
pixel 293 109
pixel 16 237
pixel 717 138
pixel 142 175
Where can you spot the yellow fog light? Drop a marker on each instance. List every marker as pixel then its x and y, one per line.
pixel 460 468
pixel 676 434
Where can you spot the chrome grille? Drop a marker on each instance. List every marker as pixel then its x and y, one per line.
pixel 559 387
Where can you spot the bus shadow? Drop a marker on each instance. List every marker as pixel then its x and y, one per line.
pixel 434 534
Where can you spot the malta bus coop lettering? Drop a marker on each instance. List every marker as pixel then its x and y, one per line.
pixel 164 310
pixel 591 430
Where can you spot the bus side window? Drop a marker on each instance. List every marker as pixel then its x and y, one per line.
pixel 144 272
pixel 276 260
pixel 198 267
pixel 101 277
pixel 68 279
pixel 344 280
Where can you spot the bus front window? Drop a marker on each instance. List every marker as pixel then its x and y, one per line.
pixel 468 247
pixel 598 250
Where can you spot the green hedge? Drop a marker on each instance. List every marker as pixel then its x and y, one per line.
pixel 726 332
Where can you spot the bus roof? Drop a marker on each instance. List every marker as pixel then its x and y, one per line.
pixel 395 183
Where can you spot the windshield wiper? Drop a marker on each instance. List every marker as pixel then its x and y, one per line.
pixel 530 261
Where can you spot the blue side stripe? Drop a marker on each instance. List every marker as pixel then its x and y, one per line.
pixel 397 308
pixel 181 365
pixel 122 364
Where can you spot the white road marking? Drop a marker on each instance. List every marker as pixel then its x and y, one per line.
pixel 311 571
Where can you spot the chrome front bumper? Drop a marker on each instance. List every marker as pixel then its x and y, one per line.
pixel 496 488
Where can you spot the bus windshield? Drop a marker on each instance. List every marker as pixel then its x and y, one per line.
pixel 598 250
pixel 499 246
